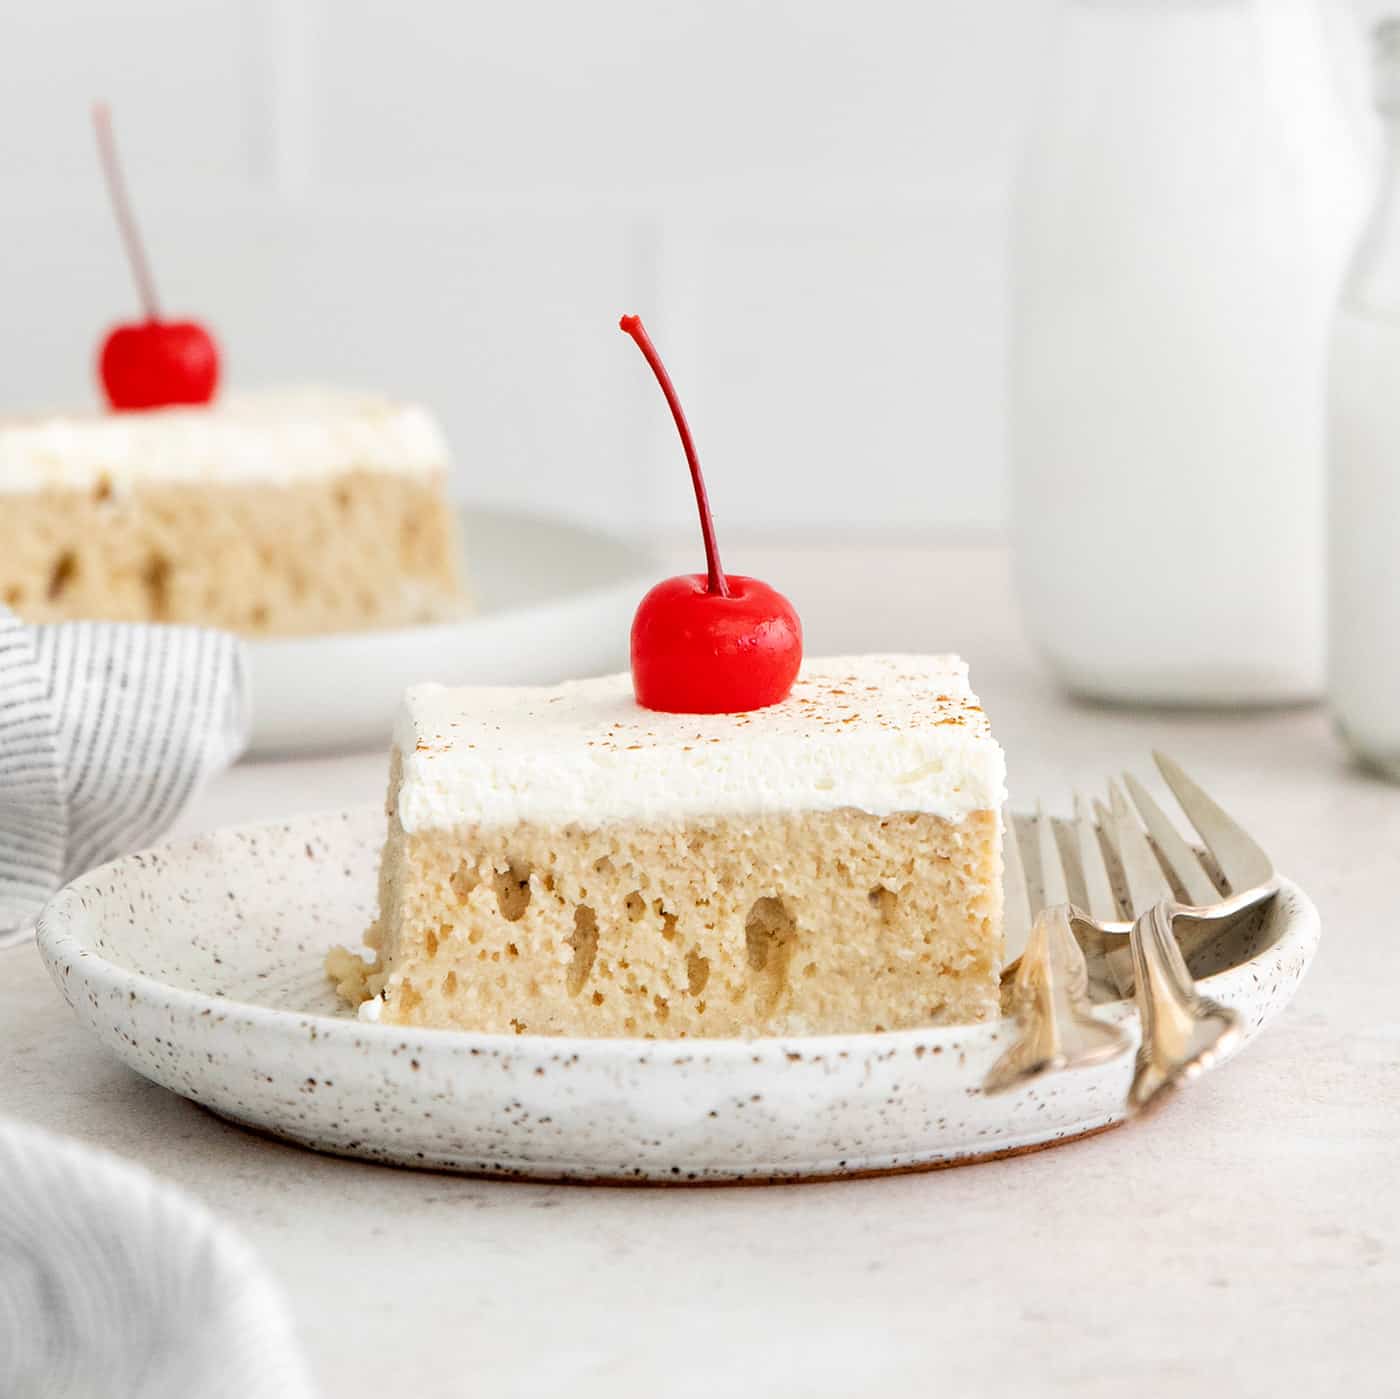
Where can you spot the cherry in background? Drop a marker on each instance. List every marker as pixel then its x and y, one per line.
pixel 152 363
pixel 709 643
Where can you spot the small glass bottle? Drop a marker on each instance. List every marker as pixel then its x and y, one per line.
pixel 1364 460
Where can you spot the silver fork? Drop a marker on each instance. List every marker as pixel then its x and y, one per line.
pixel 1050 985
pixel 1133 883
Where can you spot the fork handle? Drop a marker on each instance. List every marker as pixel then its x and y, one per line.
pixel 1058 1029
pixel 1120 962
pixel 1183 1032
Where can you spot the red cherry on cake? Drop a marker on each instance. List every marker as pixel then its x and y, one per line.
pixel 696 651
pixel 709 643
pixel 151 363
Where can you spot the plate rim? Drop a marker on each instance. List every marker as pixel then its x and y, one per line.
pixel 579 611
pixel 642 558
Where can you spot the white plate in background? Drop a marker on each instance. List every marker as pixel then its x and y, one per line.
pixel 553 601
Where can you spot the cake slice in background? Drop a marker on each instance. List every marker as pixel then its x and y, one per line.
pixel 563 861
pixel 268 514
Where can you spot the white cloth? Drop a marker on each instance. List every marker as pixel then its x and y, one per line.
pixel 115 1284
pixel 106 729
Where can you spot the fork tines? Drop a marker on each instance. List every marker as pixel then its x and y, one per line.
pixel 1117 859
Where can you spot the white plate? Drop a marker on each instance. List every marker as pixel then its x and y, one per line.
pixel 552 600
pixel 199 965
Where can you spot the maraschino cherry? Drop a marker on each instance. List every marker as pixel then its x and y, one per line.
pixel 709 643
pixel 152 363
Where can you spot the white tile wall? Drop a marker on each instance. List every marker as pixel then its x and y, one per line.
pixel 178 70
pixel 806 199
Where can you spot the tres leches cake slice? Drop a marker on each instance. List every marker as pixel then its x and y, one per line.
pixel 724 843
pixel 563 861
pixel 266 513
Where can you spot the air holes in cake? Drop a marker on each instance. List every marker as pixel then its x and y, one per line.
pixel 635 905
pixel 430 944
pixel 884 902
pixel 697 972
pixel 584 944
pixel 770 932
pixel 603 866
pixel 342 498
pixel 513 891
pixel 768 926
pixel 668 920
pixel 259 616
pixel 102 491
pixel 449 984
pixel 155 579
pixel 62 574
pixel 14 596
pixel 463 881
pixel 663 1007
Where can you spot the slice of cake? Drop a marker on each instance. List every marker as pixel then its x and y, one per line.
pixel 267 514
pixel 563 861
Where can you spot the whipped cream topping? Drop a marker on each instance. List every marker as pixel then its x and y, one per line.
pixel 878 733
pixel 277 437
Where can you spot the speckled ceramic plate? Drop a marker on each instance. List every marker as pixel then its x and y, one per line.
pixel 199 965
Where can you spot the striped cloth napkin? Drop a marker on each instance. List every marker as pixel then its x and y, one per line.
pixel 106 730
pixel 115 1283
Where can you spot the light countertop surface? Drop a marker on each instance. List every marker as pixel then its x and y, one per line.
pixel 1244 1241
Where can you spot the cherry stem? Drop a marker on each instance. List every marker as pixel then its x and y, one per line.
pixel 718 583
pixel 121 206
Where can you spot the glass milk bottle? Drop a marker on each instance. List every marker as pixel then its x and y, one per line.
pixel 1189 189
pixel 1364 461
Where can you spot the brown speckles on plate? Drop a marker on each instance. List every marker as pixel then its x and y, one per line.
pixel 201 970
